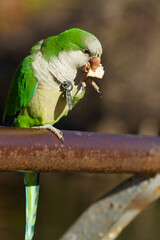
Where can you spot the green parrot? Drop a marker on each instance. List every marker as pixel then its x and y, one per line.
pixel 44 88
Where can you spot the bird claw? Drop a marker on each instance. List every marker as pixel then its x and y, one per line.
pixel 57 132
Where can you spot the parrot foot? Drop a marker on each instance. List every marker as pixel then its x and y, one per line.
pixel 54 130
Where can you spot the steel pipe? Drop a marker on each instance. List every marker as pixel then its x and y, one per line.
pixel 40 150
pixel 108 216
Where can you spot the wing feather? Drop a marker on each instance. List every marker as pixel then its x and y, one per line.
pixel 21 91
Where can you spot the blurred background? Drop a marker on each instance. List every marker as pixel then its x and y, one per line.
pixel 128 103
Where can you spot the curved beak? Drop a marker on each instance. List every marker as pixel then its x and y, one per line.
pixel 92 64
pixel 95 62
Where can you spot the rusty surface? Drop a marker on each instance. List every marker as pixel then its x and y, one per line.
pixel 106 218
pixel 40 150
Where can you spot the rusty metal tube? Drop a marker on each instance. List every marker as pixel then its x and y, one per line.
pixel 39 150
pixel 108 216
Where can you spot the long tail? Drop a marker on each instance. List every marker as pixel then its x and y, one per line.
pixel 31 180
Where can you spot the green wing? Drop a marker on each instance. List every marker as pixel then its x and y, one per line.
pixel 21 91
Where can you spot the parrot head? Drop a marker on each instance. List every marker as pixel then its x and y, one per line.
pixel 83 48
pixel 69 51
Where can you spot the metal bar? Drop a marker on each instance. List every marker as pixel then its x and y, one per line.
pixel 106 218
pixel 40 150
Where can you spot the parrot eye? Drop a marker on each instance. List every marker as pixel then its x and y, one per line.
pixel 86 51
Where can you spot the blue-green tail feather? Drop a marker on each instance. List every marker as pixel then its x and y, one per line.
pixel 31 180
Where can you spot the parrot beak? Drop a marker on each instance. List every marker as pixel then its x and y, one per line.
pixel 92 68
pixel 95 62
pixel 92 64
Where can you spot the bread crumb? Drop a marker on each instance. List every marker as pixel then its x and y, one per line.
pixel 97 74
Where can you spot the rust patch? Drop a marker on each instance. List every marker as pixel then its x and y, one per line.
pixel 81 152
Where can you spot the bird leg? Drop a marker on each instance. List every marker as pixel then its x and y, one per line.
pixel 91 82
pixel 54 130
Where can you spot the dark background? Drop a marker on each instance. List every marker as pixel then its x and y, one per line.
pixel 129 102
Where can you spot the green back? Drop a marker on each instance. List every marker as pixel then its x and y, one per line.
pixel 21 90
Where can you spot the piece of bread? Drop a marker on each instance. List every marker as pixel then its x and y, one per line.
pixel 97 74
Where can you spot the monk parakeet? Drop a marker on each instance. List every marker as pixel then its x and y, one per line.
pixel 44 89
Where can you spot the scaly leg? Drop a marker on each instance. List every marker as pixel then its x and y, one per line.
pixel 54 130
